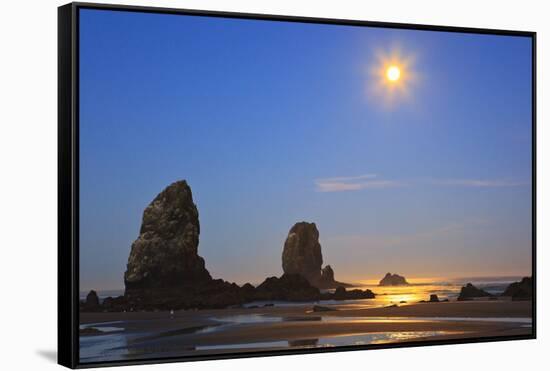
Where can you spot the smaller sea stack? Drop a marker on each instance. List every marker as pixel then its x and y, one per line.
pixel 302 255
pixel 470 292
pixel 393 280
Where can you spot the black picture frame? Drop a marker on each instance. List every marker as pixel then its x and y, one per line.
pixel 68 178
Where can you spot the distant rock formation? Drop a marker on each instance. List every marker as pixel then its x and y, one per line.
pixel 522 290
pixel 393 280
pixel 91 304
pixel 434 298
pixel 92 299
pixel 470 292
pixel 165 253
pixel 302 255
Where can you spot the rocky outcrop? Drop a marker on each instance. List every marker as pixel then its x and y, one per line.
pixel 92 299
pixel 327 275
pixel 92 302
pixel 291 287
pixel 342 294
pixel 302 255
pixel 470 292
pixel 222 294
pixel 294 287
pixel 117 304
pixel 165 255
pixel 215 294
pixel 434 298
pixel 522 290
pixel 327 280
pixel 393 280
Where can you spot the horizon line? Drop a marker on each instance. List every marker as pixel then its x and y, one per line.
pixel 366 281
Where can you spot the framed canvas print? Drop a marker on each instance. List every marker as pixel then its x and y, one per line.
pixel 237 185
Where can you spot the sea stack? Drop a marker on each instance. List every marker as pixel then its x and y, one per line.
pixel 393 280
pixel 522 290
pixel 165 256
pixel 434 298
pixel 92 302
pixel 302 252
pixel 470 292
pixel 302 255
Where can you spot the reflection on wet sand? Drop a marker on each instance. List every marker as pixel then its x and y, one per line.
pixel 147 334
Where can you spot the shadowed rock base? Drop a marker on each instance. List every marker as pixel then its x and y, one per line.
pixel 221 294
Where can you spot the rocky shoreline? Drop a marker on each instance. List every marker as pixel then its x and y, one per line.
pixel 221 294
pixel 522 290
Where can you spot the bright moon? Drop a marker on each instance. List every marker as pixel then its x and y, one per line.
pixel 393 73
pixel 392 77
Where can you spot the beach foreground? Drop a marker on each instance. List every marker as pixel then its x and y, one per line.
pixel 134 335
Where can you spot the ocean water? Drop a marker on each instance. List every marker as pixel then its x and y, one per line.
pixel 413 293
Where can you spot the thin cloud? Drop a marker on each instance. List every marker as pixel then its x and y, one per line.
pixel 348 178
pixel 371 181
pixel 353 183
pixel 337 187
pixel 483 183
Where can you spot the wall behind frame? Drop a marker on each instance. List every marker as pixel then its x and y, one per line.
pixel 28 190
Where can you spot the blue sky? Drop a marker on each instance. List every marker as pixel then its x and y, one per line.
pixel 273 123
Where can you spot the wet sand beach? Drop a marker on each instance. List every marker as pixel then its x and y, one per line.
pixel 133 334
